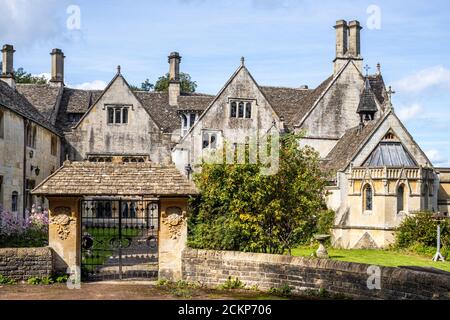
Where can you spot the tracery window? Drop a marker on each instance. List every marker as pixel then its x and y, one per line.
pixel 241 109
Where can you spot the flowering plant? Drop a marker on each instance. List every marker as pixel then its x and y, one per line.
pixel 29 232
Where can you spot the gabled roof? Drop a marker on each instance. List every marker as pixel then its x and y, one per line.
pixel 343 152
pixel 367 99
pixel 378 87
pixel 44 97
pixel 286 102
pixel 14 101
pixel 390 154
pixel 119 179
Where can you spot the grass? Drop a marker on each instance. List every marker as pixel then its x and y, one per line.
pixel 388 258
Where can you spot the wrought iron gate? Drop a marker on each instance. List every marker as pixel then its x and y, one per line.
pixel 119 239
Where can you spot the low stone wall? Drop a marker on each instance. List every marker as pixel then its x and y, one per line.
pixel 23 263
pixel 265 270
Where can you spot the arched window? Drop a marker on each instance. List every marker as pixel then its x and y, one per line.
pixel 233 110
pixel 367 198
pixel 425 196
pixel 401 198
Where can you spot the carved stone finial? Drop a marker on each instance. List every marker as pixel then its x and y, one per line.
pixel 378 68
pixel 118 69
pixel 242 61
pixel 366 67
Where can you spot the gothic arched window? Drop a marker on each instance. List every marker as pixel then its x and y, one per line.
pixel 367 198
pixel 401 199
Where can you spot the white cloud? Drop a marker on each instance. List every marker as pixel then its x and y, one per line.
pixel 436 76
pixel 406 113
pixel 437 158
pixel 25 22
pixel 46 75
pixel 93 85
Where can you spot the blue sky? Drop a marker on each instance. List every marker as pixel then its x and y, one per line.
pixel 285 43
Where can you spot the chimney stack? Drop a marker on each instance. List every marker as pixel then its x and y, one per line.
pixel 8 65
pixel 348 44
pixel 341 38
pixel 354 45
pixel 57 67
pixel 174 78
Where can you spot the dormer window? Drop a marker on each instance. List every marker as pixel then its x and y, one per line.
pixel 117 115
pixel 241 109
pixel 187 121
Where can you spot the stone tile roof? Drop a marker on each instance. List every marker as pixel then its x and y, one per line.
pixel 341 155
pixel 166 116
pixel 78 101
pixel 43 96
pixel 378 87
pixel 367 99
pixel 297 105
pixel 117 179
pixel 194 102
pixel 13 100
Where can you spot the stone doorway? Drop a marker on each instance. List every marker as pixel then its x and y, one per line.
pixel 119 239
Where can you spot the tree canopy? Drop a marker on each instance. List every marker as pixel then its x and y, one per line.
pixel 187 84
pixel 21 76
pixel 242 209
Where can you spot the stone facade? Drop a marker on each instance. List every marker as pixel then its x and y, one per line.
pixel 18 162
pixel 24 263
pixel 213 268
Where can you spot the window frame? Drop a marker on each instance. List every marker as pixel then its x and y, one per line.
pixel 401 198
pixel 14 201
pixel 117 114
pixel 367 197
pixel 241 108
pixel 53 145
pixel 31 133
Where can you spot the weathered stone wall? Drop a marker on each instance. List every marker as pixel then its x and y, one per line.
pixel 265 270
pixel 12 159
pixel 24 263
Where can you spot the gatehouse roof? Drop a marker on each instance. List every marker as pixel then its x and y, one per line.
pixel 115 179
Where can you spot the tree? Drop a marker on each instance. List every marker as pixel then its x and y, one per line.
pixel 239 208
pixel 21 76
pixel 145 86
pixel 187 85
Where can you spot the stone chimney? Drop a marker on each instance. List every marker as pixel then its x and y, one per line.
pixel 57 67
pixel 348 44
pixel 354 43
pixel 8 65
pixel 174 78
pixel 341 38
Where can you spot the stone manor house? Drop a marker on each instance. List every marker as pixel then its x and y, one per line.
pixel 380 174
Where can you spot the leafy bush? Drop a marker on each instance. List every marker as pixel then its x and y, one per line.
pixel 7 280
pixel 232 284
pixel 34 280
pixel 285 290
pixel 241 208
pixel 418 233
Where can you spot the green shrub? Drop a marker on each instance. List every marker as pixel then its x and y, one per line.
pixel 285 290
pixel 61 278
pixel 162 282
pixel 7 280
pixel 34 280
pixel 232 284
pixel 47 280
pixel 418 231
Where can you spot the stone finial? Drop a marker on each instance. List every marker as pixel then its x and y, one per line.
pixel 390 92
pixel 378 69
pixel 367 68
pixel 118 69
pixel 242 61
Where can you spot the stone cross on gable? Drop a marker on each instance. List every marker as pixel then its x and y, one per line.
pixel 366 67
pixel 390 92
